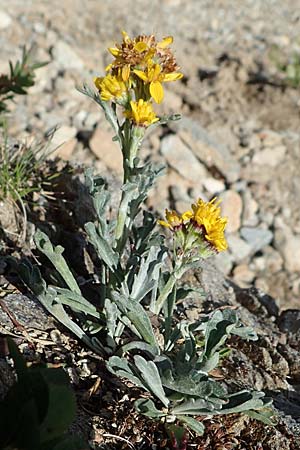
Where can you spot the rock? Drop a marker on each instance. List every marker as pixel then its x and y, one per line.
pixel 65 57
pixel 258 263
pixel 206 149
pixel 79 119
pixel 66 150
pixel 239 248
pixel 172 103
pixel 181 198
pixel 270 138
pixel 232 209
pixel 102 145
pixel 291 252
pixel 254 142
pixel 289 321
pixel 64 135
pixel 182 159
pixel 262 284
pixel 250 207
pixel 27 311
pixel 273 260
pixel 5 20
pixel 280 364
pixel 257 302
pixel 158 198
pixel 43 79
pixel 213 186
pixel 39 28
pixel 292 357
pixel 9 220
pixel 243 275
pixel 224 262
pixel 93 118
pixel 257 238
pixel 271 157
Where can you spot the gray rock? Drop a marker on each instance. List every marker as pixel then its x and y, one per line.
pixel 213 186
pixel 182 159
pixel 39 28
pixel 27 311
pixel 239 248
pixel 5 20
pixel 224 262
pixel 65 57
pixel 250 208
pixel 257 238
pixel 271 157
pixel 289 321
pixel 212 153
pixel 181 198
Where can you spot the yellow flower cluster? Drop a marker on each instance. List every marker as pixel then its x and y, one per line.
pixel 140 67
pixel 205 219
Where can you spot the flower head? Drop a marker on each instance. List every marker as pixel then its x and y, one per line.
pixel 141 113
pixel 206 218
pixel 203 227
pixel 112 87
pixel 145 60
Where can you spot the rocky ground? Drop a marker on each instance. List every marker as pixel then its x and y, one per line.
pixel 106 417
pixel 239 139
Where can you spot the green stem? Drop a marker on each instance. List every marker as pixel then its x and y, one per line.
pixel 180 268
pixel 164 293
pixel 132 143
pixel 168 309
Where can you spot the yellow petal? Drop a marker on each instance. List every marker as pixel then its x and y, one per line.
pixel 97 81
pixel 156 91
pixel 125 73
pixel 164 223
pixel 141 74
pixel 114 51
pixel 126 37
pixel 108 68
pixel 187 215
pixel 165 42
pixel 140 47
pixel 173 76
pixel 156 71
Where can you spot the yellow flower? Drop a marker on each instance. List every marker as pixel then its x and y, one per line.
pixel 207 217
pixel 154 75
pixel 111 87
pixel 141 113
pixel 173 220
pixel 141 52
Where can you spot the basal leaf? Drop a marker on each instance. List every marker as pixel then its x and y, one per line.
pixel 150 374
pixel 193 424
pixel 148 408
